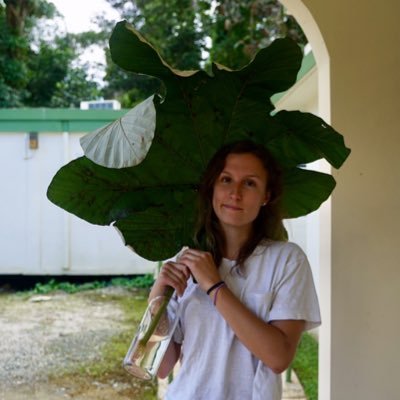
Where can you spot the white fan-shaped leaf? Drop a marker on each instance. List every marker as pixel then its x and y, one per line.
pixel 126 141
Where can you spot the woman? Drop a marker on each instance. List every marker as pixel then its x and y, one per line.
pixel 241 322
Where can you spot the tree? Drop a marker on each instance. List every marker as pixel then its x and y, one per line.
pixel 53 80
pixel 191 34
pixel 170 26
pixel 73 88
pixel 17 18
pixel 239 28
pixel 33 70
pixel 47 67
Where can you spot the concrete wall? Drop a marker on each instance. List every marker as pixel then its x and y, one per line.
pixel 360 359
pixel 305 230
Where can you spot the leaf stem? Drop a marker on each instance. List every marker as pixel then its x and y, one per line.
pixel 155 320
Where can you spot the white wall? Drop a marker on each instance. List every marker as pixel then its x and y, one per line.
pixel 39 238
pixel 305 231
pixel 360 353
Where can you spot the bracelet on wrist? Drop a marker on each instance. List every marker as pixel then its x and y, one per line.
pixel 216 292
pixel 213 287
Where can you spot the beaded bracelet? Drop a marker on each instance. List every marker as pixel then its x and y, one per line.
pixel 216 292
pixel 218 284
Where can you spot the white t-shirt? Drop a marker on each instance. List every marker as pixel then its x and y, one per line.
pixel 276 284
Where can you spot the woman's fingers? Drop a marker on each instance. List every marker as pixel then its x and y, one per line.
pixel 175 275
pixel 201 265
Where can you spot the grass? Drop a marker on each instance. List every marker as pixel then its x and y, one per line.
pixel 306 365
pixel 52 285
pixel 109 367
pixel 115 350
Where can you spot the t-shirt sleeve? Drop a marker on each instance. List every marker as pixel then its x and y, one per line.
pixel 178 334
pixel 294 295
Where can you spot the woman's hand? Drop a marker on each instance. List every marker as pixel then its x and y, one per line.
pixel 201 265
pixel 173 274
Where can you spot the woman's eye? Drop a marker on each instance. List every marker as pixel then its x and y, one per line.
pixel 225 179
pixel 250 183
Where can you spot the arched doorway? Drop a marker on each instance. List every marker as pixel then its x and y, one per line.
pixel 319 223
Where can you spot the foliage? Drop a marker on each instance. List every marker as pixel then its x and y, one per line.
pixel 180 29
pixel 47 67
pixel 153 204
pixel 306 365
pixel 171 26
pixel 73 88
pixel 35 72
pixel 190 35
pixel 13 72
pixel 127 87
pixel 141 281
pixel 124 140
pixel 239 28
pixel 145 281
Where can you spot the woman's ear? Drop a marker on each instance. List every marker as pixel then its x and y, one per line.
pixel 266 200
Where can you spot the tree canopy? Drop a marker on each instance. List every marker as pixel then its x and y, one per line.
pixel 193 34
pixel 38 71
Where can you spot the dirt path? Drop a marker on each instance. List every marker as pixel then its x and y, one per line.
pixel 52 347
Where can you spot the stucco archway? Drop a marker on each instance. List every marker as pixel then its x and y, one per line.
pixel 360 327
pixel 319 223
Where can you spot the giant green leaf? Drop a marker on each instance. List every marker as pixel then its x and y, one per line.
pixel 153 203
pixel 307 138
pixel 299 184
pixel 158 231
pixel 126 141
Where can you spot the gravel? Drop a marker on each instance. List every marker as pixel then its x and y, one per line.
pixel 45 335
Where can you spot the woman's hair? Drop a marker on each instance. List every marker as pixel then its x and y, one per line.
pixel 267 225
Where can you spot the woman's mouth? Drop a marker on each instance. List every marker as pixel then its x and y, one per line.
pixel 231 207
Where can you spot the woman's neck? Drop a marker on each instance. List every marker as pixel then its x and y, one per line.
pixel 234 240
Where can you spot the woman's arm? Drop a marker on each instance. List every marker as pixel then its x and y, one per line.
pixel 273 343
pixel 174 275
pixel 170 359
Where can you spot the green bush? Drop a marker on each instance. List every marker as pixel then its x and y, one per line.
pixel 306 365
pixel 144 281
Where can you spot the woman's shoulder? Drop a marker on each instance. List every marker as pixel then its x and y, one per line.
pixel 279 246
pixel 272 260
pixel 280 252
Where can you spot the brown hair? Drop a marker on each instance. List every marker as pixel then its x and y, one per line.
pixel 267 225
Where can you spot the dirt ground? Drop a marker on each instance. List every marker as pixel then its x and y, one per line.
pixel 71 346
pixel 66 346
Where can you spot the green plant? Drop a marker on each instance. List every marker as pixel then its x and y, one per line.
pixel 153 203
pixel 144 281
pixel 141 281
pixel 306 365
pixel 68 287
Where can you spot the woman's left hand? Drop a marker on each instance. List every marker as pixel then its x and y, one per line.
pixel 201 265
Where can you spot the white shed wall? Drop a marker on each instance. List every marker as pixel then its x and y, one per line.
pixel 39 238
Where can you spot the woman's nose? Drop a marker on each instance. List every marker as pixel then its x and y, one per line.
pixel 236 191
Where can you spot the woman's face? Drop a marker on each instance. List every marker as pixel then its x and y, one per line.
pixel 239 191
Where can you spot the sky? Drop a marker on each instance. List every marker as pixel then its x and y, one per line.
pixel 78 13
pixel 77 16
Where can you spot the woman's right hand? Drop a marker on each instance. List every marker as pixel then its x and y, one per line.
pixel 172 274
